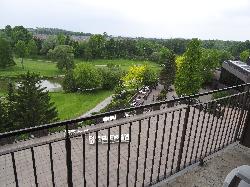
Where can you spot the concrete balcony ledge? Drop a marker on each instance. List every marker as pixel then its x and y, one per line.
pixel 214 170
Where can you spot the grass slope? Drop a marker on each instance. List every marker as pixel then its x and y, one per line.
pixel 71 105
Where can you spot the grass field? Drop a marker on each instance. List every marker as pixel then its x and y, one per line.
pixel 49 69
pixel 124 64
pixel 71 105
pixel 42 67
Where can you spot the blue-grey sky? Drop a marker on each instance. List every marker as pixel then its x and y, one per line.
pixel 205 19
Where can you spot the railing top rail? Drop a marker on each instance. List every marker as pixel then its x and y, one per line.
pixel 77 120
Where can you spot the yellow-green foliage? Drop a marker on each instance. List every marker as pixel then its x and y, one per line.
pixel 134 77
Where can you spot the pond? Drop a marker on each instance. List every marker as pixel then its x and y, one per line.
pixel 51 85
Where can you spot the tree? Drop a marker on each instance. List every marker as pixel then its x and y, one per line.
pixel 19 33
pixel 50 43
pixel 167 74
pixel 64 56
pixel 61 38
pixel 111 77
pixel 21 50
pixel 96 44
pixel 150 77
pixel 134 77
pixel 6 58
pixel 87 76
pixel 210 60
pixel 244 55
pixel 189 70
pixel 32 48
pixel 3 117
pixel 69 82
pixel 32 103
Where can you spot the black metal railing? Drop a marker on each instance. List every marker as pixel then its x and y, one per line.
pixel 153 143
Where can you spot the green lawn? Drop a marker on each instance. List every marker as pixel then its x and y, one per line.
pixel 44 68
pixel 49 69
pixel 124 64
pixel 71 105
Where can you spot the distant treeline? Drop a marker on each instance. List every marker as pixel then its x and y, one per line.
pixel 56 31
pixel 103 46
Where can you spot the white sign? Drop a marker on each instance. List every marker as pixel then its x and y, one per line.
pixel 113 139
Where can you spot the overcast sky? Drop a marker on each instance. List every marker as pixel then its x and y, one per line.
pixel 205 19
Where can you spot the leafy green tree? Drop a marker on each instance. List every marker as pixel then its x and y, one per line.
pixel 21 50
pixel 189 70
pixel 69 82
pixel 111 77
pixel 96 44
pixel 210 60
pixel 64 56
pixel 6 57
pixel 19 33
pixel 32 103
pixel 32 48
pixel 61 38
pixel 8 30
pixel 50 43
pixel 244 55
pixel 87 76
pixel 3 117
pixel 150 77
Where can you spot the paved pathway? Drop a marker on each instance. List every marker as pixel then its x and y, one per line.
pixel 98 107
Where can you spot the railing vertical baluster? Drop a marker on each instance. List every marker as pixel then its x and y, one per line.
pixel 232 128
pixel 176 137
pixel 34 165
pixel 83 160
pixel 119 157
pixel 183 135
pixel 14 168
pixel 211 128
pixel 152 167
pixel 96 157
pixel 162 141
pixel 215 128
pixel 68 157
pixel 241 114
pixel 108 152
pixel 220 127
pixel 223 130
pixel 230 123
pixel 188 141
pixel 169 140
pixel 201 129
pixel 138 151
pixel 206 129
pixel 227 128
pixel 237 126
pixel 146 152
pixel 129 144
pixel 195 133
pixel 51 164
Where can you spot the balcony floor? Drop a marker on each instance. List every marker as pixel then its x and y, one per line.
pixel 214 171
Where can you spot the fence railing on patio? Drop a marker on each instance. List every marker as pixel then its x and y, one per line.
pixel 143 146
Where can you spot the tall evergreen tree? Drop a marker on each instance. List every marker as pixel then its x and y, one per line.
pixel 32 103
